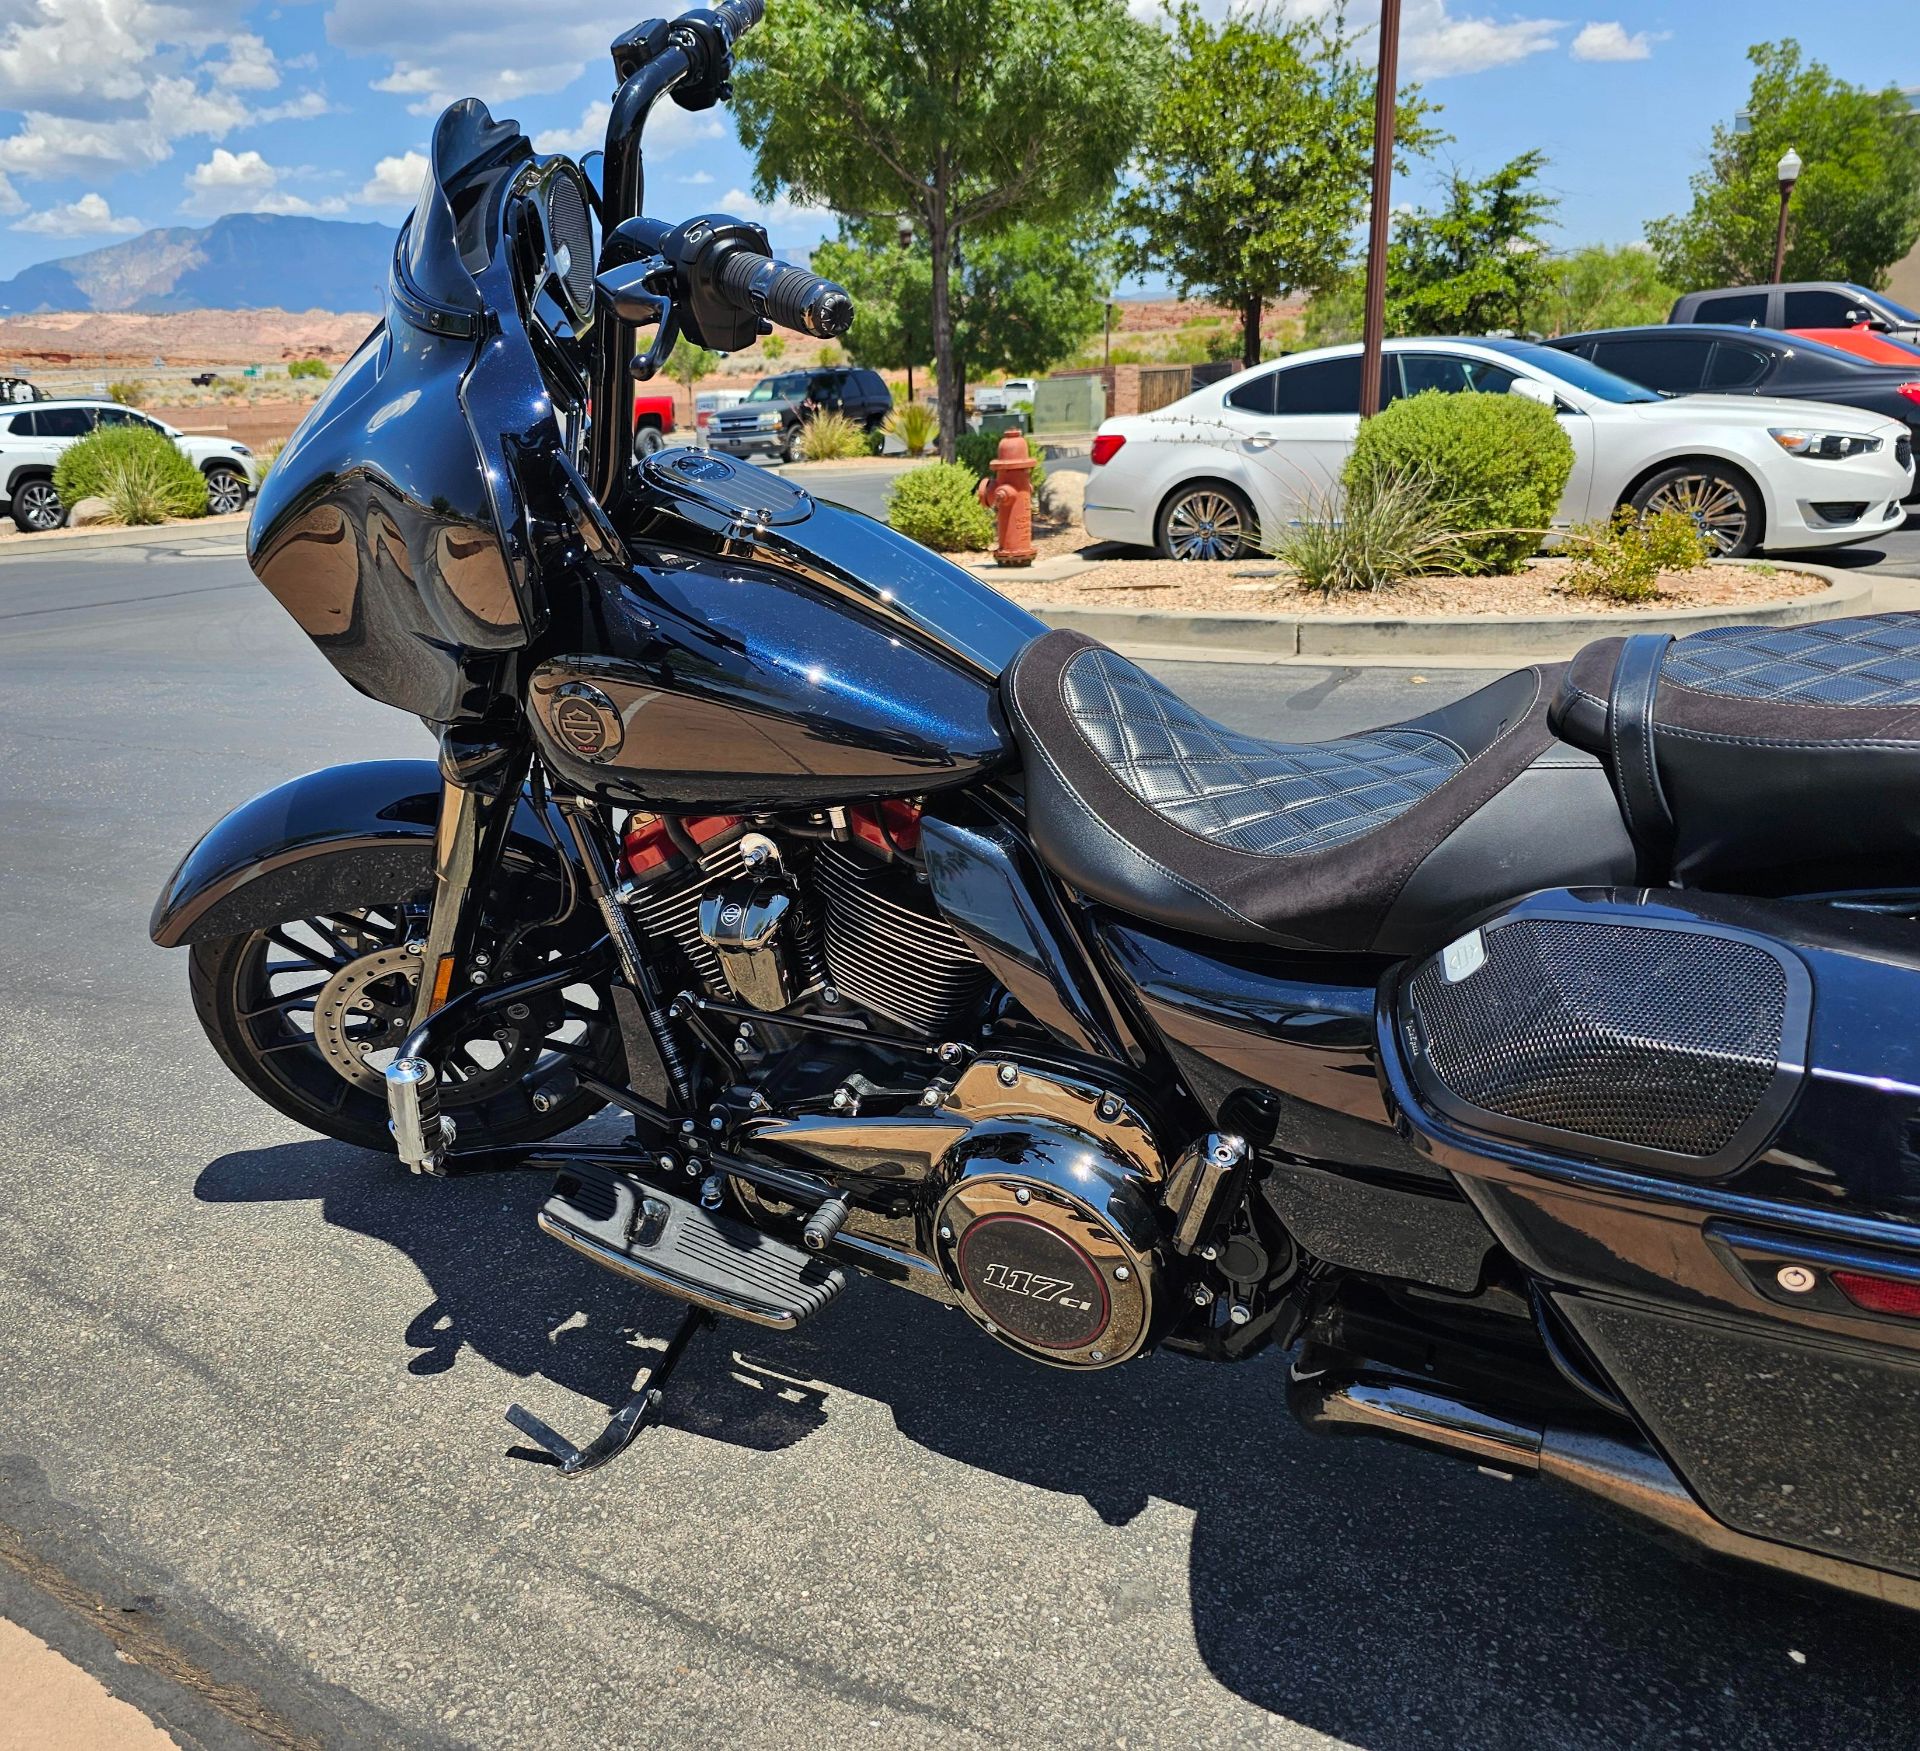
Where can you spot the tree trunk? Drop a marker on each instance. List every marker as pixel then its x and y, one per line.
pixel 1250 332
pixel 953 395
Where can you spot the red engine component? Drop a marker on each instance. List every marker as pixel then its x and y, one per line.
pixel 890 827
pixel 652 843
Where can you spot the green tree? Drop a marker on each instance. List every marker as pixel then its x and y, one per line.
pixel 1599 287
pixel 959 115
pixel 892 287
pixel 773 347
pixel 1254 169
pixel 1476 265
pixel 1856 208
pixel 687 364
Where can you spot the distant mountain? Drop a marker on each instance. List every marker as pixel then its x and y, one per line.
pixel 246 261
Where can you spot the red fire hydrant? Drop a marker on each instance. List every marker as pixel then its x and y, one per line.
pixel 1009 496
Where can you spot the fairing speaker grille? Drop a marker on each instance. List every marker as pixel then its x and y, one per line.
pixel 1622 1040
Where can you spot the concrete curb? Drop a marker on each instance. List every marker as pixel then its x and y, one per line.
pixel 1271 637
pixel 61 541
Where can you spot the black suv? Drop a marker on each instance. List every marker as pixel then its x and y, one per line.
pixel 1803 304
pixel 768 422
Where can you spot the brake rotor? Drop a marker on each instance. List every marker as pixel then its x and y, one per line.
pixel 364 1013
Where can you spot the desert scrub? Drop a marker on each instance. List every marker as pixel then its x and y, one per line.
pixel 915 424
pixel 1500 462
pixel 129 394
pixel 1622 560
pixel 316 368
pixel 136 470
pixel 1385 528
pixel 831 437
pixel 936 506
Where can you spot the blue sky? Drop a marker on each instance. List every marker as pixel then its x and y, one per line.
pixel 116 115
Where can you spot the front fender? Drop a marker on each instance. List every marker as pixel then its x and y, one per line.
pixel 345 836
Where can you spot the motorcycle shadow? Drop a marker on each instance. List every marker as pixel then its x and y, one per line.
pixel 1382 1595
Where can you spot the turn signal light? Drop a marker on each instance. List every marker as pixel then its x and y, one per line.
pixel 1910 390
pixel 1880 1294
pixel 1107 445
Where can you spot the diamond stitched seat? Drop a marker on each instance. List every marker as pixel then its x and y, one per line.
pixel 1873 662
pixel 1374 841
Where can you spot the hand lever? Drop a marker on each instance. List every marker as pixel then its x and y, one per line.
pixel 629 290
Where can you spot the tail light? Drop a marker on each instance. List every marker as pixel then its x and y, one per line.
pixel 1910 390
pixel 1107 445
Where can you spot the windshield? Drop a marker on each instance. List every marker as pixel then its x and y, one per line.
pixel 1583 374
pixel 791 387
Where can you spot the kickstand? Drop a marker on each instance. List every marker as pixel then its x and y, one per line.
pixel 627 1421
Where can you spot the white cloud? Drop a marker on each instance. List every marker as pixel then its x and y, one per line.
pixel 698 179
pixel 1435 41
pixel 249 66
pixel 89 216
pixel 1613 42
pixel 244 182
pixel 395 181
pixel 669 129
pixel 777 214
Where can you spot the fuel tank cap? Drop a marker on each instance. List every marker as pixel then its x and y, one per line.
pixel 727 490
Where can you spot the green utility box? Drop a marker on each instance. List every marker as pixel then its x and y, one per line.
pixel 1006 422
pixel 1069 404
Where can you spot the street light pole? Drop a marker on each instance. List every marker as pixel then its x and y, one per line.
pixel 1789 172
pixel 906 243
pixel 1374 333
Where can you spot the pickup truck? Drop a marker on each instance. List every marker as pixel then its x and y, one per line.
pixel 1003 397
pixel 652 420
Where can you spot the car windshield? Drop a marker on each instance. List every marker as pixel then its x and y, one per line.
pixel 787 388
pixel 1583 374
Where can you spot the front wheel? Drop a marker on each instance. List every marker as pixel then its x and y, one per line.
pixel 1206 521
pixel 309 1013
pixel 647 440
pixel 1721 504
pixel 226 491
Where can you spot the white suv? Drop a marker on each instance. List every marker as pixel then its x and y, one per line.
pixel 32 437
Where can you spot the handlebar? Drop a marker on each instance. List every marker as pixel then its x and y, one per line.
pixel 783 293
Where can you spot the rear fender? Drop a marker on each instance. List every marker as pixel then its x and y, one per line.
pixel 345 836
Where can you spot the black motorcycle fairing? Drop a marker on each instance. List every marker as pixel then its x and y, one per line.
pixel 724 684
pixel 396 525
pixel 327 839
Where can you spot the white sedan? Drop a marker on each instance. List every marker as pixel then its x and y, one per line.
pixel 1201 478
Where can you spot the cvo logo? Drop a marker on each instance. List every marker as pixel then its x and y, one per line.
pixel 1034 1286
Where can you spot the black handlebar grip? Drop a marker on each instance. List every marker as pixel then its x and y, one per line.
pixel 786 294
pixel 740 16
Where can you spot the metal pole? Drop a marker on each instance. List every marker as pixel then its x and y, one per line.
pixel 1108 359
pixel 1375 330
pixel 1780 233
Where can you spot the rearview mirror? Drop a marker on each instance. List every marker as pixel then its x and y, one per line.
pixel 1528 390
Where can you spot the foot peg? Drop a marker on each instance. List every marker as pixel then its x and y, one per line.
pixel 679 1248
pixel 627 1422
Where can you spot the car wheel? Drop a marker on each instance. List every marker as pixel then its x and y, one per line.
pixel 226 491
pixel 37 507
pixel 647 440
pixel 790 446
pixel 1722 504
pixel 1206 521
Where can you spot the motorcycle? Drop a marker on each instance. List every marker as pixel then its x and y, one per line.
pixel 1538 1072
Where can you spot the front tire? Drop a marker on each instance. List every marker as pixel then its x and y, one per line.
pixel 37 509
pixel 256 997
pixel 226 491
pixel 1722 504
pixel 647 440
pixel 1205 520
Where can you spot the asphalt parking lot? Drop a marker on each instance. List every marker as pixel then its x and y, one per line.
pixel 253 1471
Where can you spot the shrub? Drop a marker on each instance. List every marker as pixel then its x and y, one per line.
pixel 915 424
pixel 137 470
pixel 1500 462
pixel 1385 528
pixel 935 506
pixel 830 355
pixel 130 394
pixel 1622 560
pixel 876 441
pixel 831 437
pixel 310 368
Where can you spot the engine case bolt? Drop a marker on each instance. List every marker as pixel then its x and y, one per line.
pixel 1202 1295
pixel 716 1123
pixel 829 995
pixel 477 979
pixel 1121 1274
pixel 1009 1075
pixel 667 1164
pixel 742 1047
pixel 483 960
pixel 930 1095
pixel 1209 1252
pixel 951 1052
pixel 946 1232
pixel 1795 1279
pixel 1239 1313
pixel 687 1127
pixel 1022 1196
pixel 518 1012
pixel 1109 1107
pixel 1096 1355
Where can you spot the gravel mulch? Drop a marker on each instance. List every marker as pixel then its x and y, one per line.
pixel 1263 588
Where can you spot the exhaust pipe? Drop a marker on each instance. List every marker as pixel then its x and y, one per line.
pixel 1623 1474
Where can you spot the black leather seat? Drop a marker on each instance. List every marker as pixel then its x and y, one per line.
pixel 1761 758
pixel 1383 841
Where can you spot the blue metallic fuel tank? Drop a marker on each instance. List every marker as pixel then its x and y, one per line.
pixel 765 650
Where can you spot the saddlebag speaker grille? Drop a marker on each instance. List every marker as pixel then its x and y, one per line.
pixel 1650 1039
